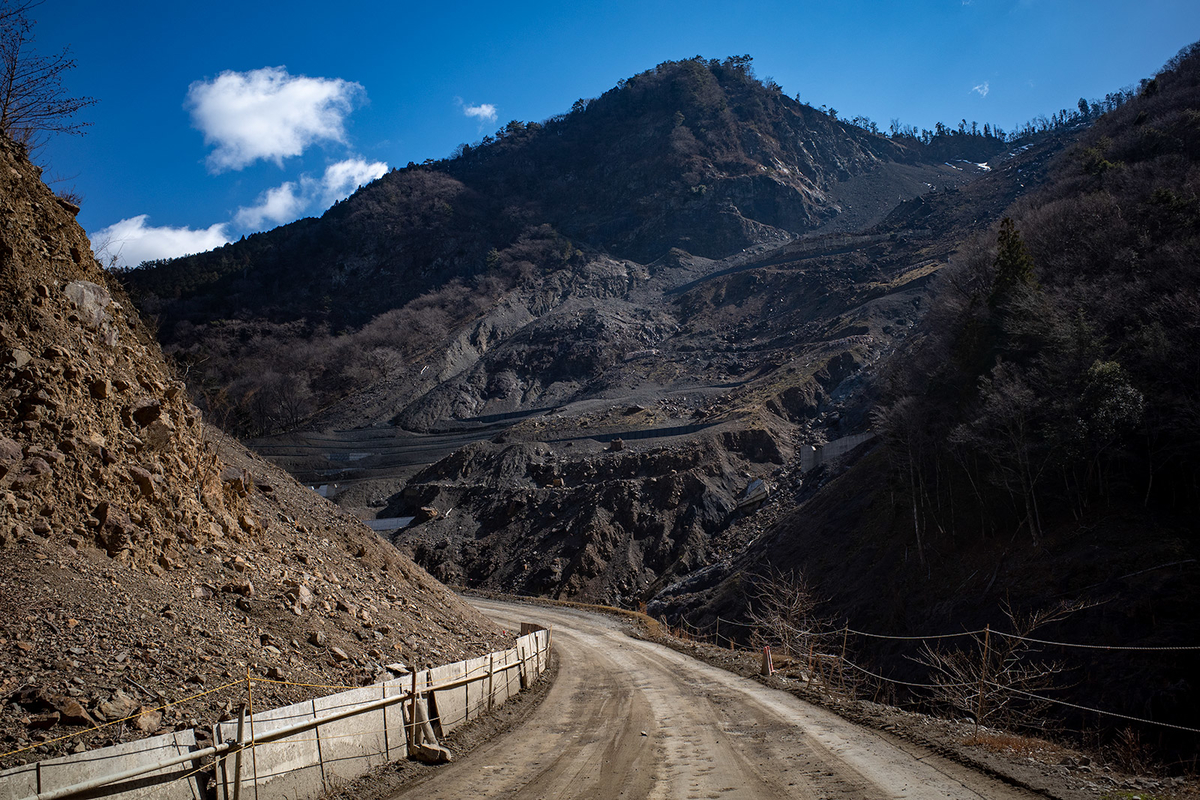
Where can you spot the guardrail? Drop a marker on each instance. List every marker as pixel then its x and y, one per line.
pixel 297 751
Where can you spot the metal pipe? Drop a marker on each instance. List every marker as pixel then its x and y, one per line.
pixel 96 783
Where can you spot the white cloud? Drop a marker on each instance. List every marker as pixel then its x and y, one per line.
pixel 982 89
pixel 289 200
pixel 344 177
pixel 279 205
pixel 268 114
pixel 484 112
pixel 131 241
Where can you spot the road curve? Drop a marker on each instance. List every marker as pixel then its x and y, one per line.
pixel 633 719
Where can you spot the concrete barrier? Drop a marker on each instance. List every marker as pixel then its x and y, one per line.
pixel 813 456
pixel 526 646
pixel 290 767
pixel 307 763
pixel 355 745
pixel 498 691
pixel 449 705
pixel 396 717
pixel 512 660
pixel 477 691
pixel 58 773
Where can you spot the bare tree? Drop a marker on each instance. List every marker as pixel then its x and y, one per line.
pixel 999 680
pixel 33 100
pixel 783 616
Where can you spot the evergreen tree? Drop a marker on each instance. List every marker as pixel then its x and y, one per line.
pixel 1013 264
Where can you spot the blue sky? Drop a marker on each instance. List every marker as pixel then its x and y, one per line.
pixel 219 119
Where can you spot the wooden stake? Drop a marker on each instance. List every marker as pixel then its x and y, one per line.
pixel 987 640
pixel 491 679
pixel 842 662
pixel 412 715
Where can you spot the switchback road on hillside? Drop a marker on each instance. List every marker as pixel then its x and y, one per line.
pixel 633 719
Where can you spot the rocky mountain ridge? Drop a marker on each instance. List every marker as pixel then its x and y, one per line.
pixel 692 157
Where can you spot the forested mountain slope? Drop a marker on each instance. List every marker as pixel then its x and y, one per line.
pixel 1040 432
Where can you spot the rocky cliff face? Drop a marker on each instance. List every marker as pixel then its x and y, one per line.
pixel 144 556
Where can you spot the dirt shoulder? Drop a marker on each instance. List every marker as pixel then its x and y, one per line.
pixel 1052 769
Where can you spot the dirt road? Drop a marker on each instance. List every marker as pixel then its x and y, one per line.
pixel 632 719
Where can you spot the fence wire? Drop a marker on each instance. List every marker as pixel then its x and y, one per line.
pixel 935 686
pixel 1099 711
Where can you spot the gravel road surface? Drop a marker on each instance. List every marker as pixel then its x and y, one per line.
pixel 632 719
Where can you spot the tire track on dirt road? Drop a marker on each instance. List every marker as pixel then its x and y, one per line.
pixel 633 719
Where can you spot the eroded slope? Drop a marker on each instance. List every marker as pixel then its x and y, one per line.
pixel 144 556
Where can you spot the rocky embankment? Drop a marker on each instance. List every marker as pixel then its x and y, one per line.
pixel 144 556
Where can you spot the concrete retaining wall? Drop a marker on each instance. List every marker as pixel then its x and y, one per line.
pixel 349 747
pixel 290 767
pixel 813 456
pixel 477 690
pixel 309 764
pixel 450 705
pixel 58 773
pixel 306 764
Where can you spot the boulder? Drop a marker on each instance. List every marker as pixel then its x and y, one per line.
pixel 18 358
pixel 159 433
pixel 243 588
pixel 237 480
pixel 119 706
pixel 144 480
pixel 91 302
pixel 148 720
pixel 10 455
pixel 70 711
pixel 145 410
